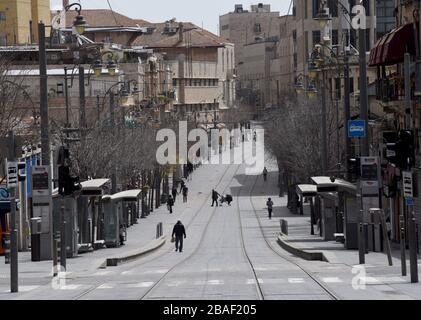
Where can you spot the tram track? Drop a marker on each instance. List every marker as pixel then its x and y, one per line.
pixel 146 261
pixel 190 256
pixel 328 291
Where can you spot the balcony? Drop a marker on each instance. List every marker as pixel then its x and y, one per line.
pixel 391 91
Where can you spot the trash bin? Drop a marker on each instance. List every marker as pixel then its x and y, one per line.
pixel 35 239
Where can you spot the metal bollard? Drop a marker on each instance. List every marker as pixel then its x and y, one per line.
pixel 403 244
pixel 361 243
pixel 413 259
pixel 6 243
pixel 55 262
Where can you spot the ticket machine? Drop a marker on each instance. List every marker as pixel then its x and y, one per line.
pixel 42 208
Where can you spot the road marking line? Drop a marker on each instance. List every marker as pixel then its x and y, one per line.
pixel 127 272
pixel 174 283
pixel 70 287
pixel 295 280
pixel 156 271
pixel 215 282
pixel 102 273
pixel 27 288
pixel 332 280
pixel 106 286
pixel 140 285
pixel 370 280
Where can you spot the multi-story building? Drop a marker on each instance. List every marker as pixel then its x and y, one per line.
pixel 338 34
pixel 19 20
pixel 203 68
pixel 255 34
pixel 243 27
pixel 400 111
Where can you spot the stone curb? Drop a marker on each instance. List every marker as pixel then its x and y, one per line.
pixel 306 255
pixel 115 261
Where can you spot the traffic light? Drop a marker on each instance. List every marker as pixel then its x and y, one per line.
pixel 390 139
pixel 354 168
pixel 67 184
pixel 406 149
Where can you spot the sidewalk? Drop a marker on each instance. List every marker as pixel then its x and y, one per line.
pixel 141 236
pixel 33 275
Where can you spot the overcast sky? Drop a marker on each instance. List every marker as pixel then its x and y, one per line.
pixel 196 11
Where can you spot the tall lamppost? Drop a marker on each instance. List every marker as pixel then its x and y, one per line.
pixel 79 24
pixel 323 18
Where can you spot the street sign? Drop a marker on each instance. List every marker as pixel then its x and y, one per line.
pixel 4 194
pixel 356 129
pixel 409 201
pixel 12 174
pixel 408 187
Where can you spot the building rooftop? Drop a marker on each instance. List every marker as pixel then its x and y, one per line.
pixel 102 18
pixel 167 36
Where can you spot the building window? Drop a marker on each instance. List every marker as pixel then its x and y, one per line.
pixel 225 27
pixel 257 28
pixel 174 82
pixel 337 89
pixel 333 8
pixel 3 41
pixel 335 37
pixel 316 37
pixel 351 85
pixel 316 7
pixel 2 16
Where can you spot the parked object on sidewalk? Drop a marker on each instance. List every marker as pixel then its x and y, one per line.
pixel 178 232
pixel 269 205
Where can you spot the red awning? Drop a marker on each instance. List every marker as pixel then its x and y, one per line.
pixel 391 48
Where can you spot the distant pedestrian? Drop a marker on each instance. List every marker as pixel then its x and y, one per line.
pixel 170 203
pixel 182 184
pixel 122 233
pixel 215 197
pixel 174 192
pixel 265 174
pixel 178 232
pixel 185 192
pixel 269 204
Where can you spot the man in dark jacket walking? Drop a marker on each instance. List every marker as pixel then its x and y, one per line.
pixel 185 192
pixel 215 197
pixel 174 192
pixel 179 231
pixel 170 203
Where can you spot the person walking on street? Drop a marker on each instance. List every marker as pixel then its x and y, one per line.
pixel 174 192
pixel 215 197
pixel 269 204
pixel 170 203
pixel 182 184
pixel 178 232
pixel 265 174
pixel 185 192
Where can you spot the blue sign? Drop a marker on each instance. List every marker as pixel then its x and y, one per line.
pixel 409 201
pixel 4 194
pixel 356 129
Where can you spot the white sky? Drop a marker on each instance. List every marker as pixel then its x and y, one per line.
pixel 200 12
